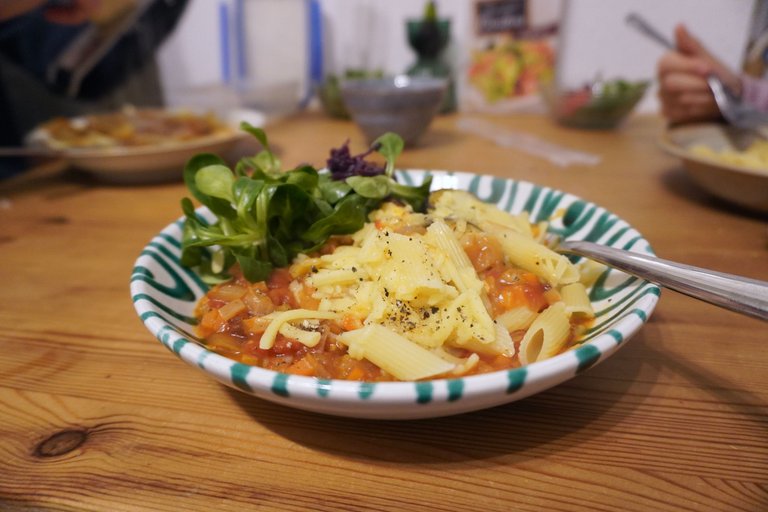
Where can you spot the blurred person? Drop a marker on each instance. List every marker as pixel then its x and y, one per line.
pixel 73 12
pixel 684 93
pixel 35 34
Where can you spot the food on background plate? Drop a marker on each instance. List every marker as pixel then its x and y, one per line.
pixel 347 274
pixel 129 127
pixel 754 156
pixel 512 49
pixel 511 68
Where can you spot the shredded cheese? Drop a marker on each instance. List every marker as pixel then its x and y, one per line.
pixel 268 338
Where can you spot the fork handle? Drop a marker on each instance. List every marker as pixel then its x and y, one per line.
pixel 736 293
pixel 635 20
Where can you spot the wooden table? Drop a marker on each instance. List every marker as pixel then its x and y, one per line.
pixel 96 415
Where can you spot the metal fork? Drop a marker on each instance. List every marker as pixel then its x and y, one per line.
pixel 736 293
pixel 732 109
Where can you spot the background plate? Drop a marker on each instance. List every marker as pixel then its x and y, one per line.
pixel 737 184
pixel 152 163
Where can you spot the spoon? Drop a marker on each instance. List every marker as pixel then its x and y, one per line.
pixel 732 109
pixel 736 293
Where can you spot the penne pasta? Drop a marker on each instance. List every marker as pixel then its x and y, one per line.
pixel 502 345
pixel 460 364
pixel 442 237
pixel 393 353
pixel 590 271
pixel 517 319
pixel 458 203
pixel 534 257
pixel 519 243
pixel 458 267
pixel 546 336
pixel 576 300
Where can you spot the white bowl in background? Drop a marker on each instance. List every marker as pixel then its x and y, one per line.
pixel 737 184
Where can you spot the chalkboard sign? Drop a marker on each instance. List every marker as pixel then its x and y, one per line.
pixel 500 16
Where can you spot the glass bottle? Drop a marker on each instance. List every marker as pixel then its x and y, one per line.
pixel 429 37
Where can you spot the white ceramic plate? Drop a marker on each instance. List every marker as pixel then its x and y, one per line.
pixel 164 294
pixel 147 164
pixel 737 184
pixel 151 164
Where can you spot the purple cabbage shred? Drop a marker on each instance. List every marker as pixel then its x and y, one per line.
pixel 342 164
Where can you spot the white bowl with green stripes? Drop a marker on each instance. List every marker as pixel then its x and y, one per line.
pixel 165 293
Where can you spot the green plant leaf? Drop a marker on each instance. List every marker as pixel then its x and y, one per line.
pixel 348 216
pixel 304 177
pixel 221 207
pixel 390 145
pixel 414 196
pixel 253 268
pixel 371 187
pixel 265 159
pixel 216 181
pixel 332 191
pixel 246 191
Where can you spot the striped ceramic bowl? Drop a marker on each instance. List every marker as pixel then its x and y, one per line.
pixel 164 294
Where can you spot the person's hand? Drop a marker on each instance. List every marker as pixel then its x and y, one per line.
pixel 72 12
pixel 683 90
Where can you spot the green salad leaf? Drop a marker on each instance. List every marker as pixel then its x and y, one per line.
pixel 390 145
pixel 266 216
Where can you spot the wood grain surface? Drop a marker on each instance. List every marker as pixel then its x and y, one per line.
pixel 96 415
